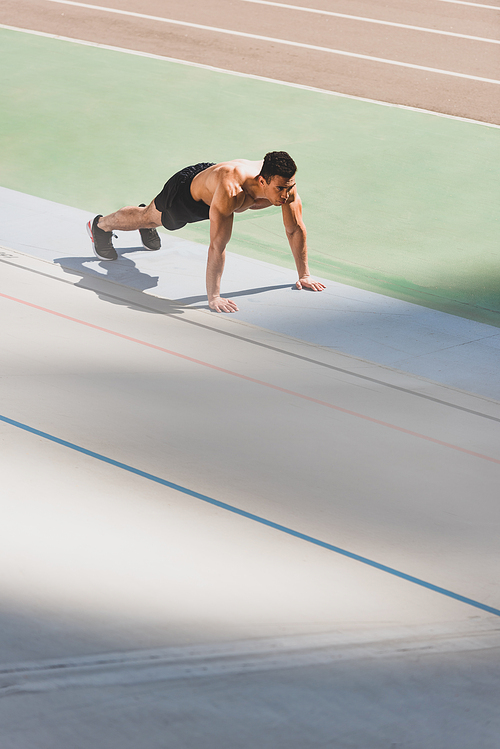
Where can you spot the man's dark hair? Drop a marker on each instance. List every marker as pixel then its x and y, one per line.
pixel 278 164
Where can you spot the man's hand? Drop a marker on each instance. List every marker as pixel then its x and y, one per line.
pixel 222 305
pixel 306 282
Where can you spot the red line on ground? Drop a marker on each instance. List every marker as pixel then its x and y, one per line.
pixel 254 380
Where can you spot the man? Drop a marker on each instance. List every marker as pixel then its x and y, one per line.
pixel 215 192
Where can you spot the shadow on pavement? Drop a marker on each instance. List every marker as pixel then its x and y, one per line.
pixel 244 292
pixel 126 274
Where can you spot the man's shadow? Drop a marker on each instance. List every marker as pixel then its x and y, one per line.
pixel 125 274
pixel 230 294
pixel 127 286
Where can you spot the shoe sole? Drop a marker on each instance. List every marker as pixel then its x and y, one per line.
pixel 89 231
pixel 150 249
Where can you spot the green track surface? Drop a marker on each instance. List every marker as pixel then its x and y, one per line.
pixel 398 202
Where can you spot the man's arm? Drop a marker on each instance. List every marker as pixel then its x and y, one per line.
pixel 221 225
pixel 297 239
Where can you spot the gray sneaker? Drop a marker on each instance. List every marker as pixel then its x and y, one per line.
pixel 150 237
pixel 102 241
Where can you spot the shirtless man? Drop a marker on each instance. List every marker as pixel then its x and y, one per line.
pixel 215 192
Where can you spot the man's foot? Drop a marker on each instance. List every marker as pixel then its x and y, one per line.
pixel 102 241
pixel 150 237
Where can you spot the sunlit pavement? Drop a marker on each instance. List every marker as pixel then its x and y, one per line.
pixel 125 562
pixel 448 349
pixel 277 528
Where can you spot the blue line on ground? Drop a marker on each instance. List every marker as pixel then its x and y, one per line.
pixel 255 518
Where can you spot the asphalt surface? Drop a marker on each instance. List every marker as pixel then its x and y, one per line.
pixel 140 607
pixel 454 90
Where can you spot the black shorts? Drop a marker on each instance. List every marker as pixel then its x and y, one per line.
pixel 175 202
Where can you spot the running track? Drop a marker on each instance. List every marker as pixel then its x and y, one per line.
pixel 119 417
pixel 441 55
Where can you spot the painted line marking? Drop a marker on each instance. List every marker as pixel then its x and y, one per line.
pixel 251 516
pixel 253 380
pixel 274 40
pixel 472 5
pixel 260 344
pixel 286 649
pixel 251 76
pixel 373 20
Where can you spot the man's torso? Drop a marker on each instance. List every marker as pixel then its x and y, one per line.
pixel 232 176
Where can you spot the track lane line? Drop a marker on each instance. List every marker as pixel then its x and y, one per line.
pixel 273 40
pixel 269 347
pixel 251 76
pixel 373 20
pixel 256 518
pixel 472 5
pixel 253 380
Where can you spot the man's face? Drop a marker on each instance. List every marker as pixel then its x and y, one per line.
pixel 278 190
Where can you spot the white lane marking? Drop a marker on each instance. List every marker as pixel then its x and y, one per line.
pixel 473 5
pixel 373 20
pixel 243 656
pixel 273 40
pixel 238 74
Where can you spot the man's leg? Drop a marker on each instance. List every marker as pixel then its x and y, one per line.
pixel 131 218
pixel 144 218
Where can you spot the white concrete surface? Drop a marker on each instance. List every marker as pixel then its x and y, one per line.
pixel 449 349
pixel 411 695
pixel 133 614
